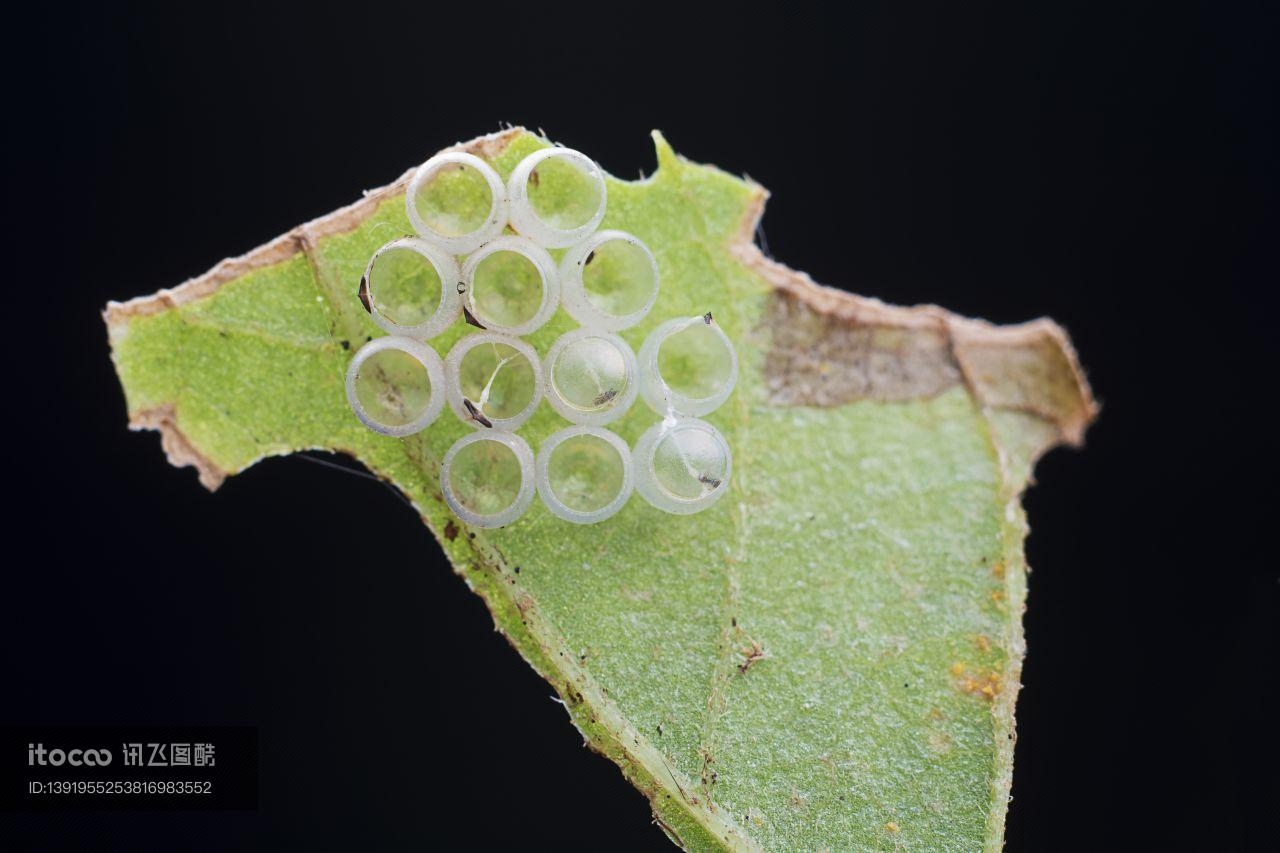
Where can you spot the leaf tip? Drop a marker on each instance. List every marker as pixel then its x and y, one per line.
pixel 667 155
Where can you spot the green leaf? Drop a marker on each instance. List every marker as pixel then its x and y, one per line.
pixel 828 657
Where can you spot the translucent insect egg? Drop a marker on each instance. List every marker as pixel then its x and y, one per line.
pixel 410 288
pixel 584 474
pixel 682 466
pixel 556 197
pixel 511 285
pixel 494 380
pixel 393 385
pixel 687 366
pixel 487 478
pixel 590 376
pixel 457 201
pixel 609 281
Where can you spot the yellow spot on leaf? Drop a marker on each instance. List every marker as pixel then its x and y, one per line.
pixel 979 683
pixel 891 826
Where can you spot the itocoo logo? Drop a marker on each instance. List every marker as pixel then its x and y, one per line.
pixel 37 754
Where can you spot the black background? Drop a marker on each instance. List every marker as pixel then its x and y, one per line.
pixel 1111 165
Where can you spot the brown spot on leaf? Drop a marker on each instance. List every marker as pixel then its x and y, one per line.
pixel 940 742
pixel 751 654
pixel 642 595
pixel 450 530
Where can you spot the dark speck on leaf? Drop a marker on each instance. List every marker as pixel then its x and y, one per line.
pixel 450 530
pixel 345 344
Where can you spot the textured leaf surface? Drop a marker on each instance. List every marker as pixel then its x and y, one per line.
pixel 827 658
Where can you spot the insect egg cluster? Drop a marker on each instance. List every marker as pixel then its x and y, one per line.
pixel 482 252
